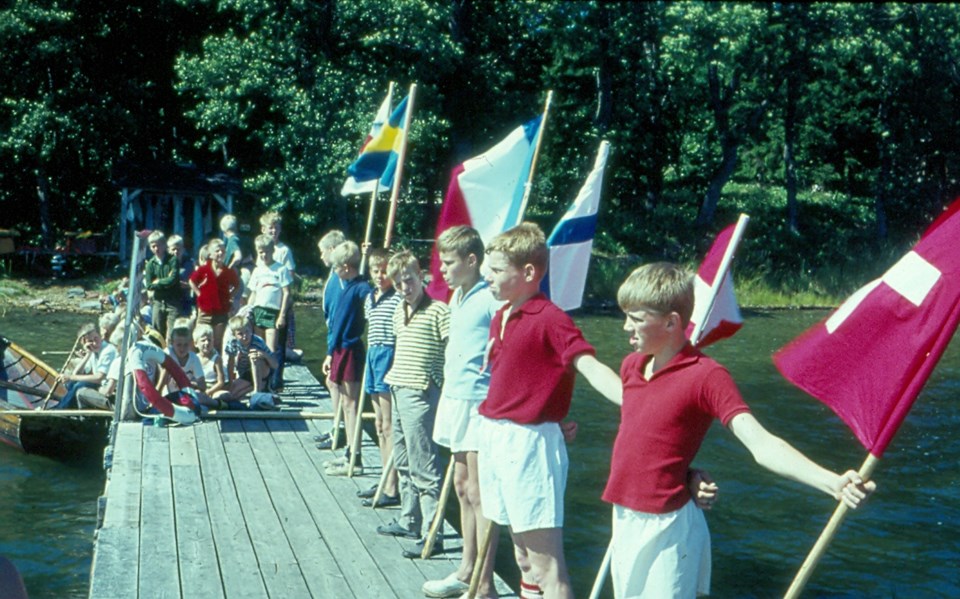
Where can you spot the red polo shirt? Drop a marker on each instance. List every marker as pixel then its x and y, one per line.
pixel 214 297
pixel 663 422
pixel 531 367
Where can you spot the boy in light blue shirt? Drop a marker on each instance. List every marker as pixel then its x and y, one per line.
pixel 465 384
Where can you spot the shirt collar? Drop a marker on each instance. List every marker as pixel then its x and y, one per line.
pixel 686 356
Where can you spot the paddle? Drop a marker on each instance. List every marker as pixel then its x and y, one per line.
pixel 22 389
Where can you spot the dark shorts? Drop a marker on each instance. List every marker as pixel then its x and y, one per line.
pixel 347 365
pixel 265 318
pixel 212 319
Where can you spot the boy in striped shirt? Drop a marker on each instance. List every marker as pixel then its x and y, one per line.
pixel 421 326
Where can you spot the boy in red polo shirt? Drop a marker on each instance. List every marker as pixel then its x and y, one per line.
pixel 671 395
pixel 535 352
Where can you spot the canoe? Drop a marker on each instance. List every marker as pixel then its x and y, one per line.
pixel 25 383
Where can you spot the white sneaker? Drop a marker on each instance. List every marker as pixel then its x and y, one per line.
pixel 450 586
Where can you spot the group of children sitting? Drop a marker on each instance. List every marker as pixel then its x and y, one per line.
pixel 490 375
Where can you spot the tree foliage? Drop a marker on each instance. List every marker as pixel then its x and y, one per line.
pixel 850 104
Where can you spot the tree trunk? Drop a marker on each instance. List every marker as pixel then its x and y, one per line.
pixel 43 201
pixel 708 208
pixel 789 163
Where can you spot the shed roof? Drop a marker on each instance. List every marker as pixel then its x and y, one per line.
pixel 177 178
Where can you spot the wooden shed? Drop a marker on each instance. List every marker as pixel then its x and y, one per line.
pixel 176 198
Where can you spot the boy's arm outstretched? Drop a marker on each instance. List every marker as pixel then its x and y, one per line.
pixel 600 376
pixel 778 456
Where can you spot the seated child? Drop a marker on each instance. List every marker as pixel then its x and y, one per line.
pixel 143 361
pixel 180 349
pixel 92 372
pixel 671 394
pixel 213 372
pixel 249 360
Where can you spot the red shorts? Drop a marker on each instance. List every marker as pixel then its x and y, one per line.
pixel 347 365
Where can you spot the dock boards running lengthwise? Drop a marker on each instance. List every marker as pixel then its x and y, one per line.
pixel 243 508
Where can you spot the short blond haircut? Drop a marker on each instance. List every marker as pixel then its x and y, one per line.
pixel 201 331
pixel 174 241
pixel 331 240
pixel 271 218
pixel 156 236
pixel 345 253
pixel 379 257
pixel 263 242
pixel 212 246
pixel 659 287
pixel 238 323
pixel 463 240
pixel 228 223
pixel 108 321
pixel 400 261
pixel 522 245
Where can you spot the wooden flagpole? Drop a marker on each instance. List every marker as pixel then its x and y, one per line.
pixel 826 537
pixel 694 339
pixel 398 176
pixel 387 468
pixel 528 186
pixel 58 379
pixel 388 235
pixel 438 516
pixel 720 276
pixel 482 551
pixel 368 235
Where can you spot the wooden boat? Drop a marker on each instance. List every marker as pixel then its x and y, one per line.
pixel 25 384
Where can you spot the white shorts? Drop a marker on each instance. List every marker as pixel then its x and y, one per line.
pixel 522 474
pixel 457 425
pixel 660 555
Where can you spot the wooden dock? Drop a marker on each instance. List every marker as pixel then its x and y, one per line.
pixel 243 508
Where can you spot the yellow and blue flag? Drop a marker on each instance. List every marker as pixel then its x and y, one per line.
pixel 379 157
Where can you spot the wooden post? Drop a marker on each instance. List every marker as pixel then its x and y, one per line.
pixel 528 186
pixel 482 551
pixel 806 570
pixel 387 468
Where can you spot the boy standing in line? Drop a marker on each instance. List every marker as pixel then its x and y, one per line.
pixel 162 280
pixel 345 359
pixel 421 325
pixel 269 287
pixel 270 224
pixel 465 383
pixel 535 352
pixel 378 309
pixel 185 268
pixel 331 294
pixel 671 395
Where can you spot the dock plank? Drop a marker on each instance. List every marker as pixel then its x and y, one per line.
pixel 235 555
pixel 199 573
pixel 159 576
pixel 243 509
pixel 278 565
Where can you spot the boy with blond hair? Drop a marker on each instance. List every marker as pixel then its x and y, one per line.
pixel 162 281
pixel 421 325
pixel 535 352
pixel 671 395
pixel 269 287
pixel 346 356
pixel 249 360
pixel 271 225
pixel 465 384
pixel 378 309
pixel 331 293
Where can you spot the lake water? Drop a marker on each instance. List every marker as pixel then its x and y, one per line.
pixel 904 543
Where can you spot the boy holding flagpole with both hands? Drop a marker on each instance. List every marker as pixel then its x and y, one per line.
pixel 670 395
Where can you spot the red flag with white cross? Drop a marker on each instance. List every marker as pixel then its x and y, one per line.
pixel 870 358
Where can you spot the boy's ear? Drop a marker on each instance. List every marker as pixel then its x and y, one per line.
pixel 673 320
pixel 529 272
pixel 472 260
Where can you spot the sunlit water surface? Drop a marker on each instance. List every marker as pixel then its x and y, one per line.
pixel 904 543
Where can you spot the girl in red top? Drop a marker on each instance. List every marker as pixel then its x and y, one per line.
pixel 215 286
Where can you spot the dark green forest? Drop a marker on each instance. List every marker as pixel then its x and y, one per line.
pixel 834 125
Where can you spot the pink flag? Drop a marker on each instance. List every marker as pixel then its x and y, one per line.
pixel 870 358
pixel 716 314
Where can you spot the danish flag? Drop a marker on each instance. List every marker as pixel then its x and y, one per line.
pixel 716 314
pixel 871 357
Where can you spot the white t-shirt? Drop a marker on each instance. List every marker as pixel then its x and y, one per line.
pixel 266 284
pixel 209 368
pixel 193 369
